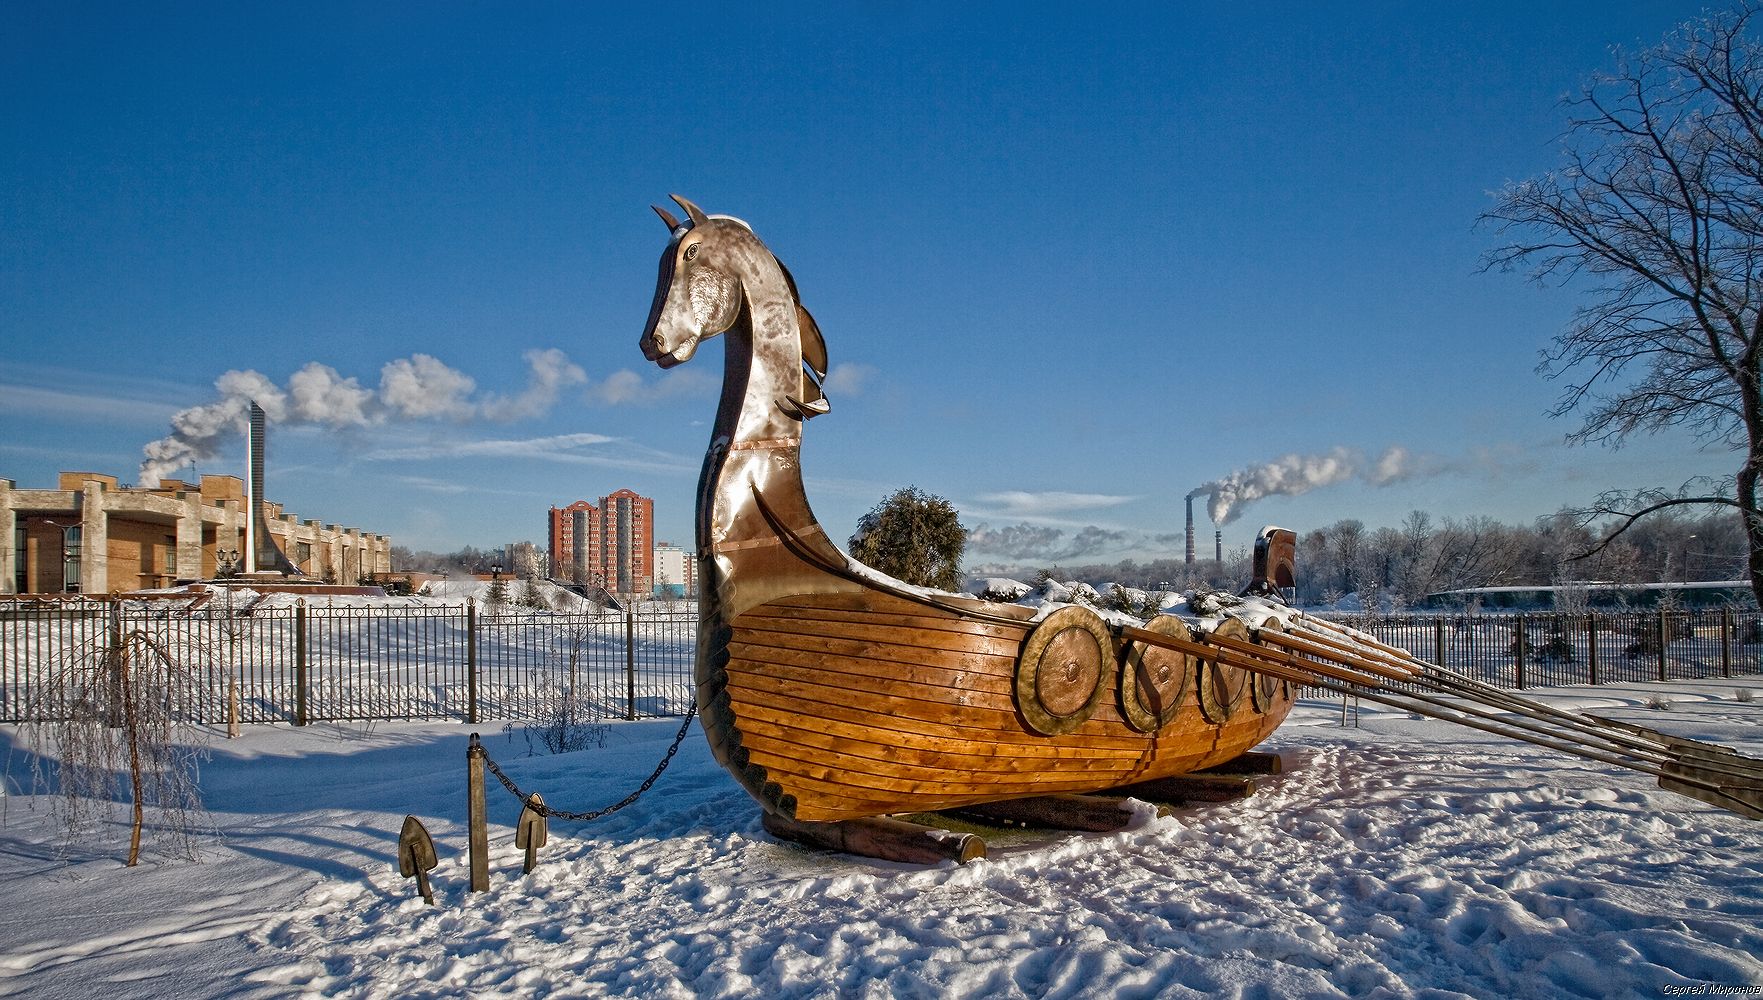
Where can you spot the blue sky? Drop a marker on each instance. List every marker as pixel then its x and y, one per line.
pixel 1069 265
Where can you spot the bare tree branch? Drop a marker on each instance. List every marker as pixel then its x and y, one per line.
pixel 1656 214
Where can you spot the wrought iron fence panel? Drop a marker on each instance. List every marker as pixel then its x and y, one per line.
pixel 317 662
pixel 1550 649
pixel 665 647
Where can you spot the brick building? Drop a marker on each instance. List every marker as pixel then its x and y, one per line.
pixel 610 544
pixel 91 535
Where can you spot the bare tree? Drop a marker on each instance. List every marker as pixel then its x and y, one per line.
pixel 1659 207
pixel 119 725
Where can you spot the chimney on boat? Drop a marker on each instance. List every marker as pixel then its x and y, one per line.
pixel 1190 529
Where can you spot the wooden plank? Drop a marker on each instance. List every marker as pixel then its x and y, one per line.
pixel 912 684
pixel 1104 730
pixel 796 682
pixel 844 725
pixel 947 668
pixel 947 784
pixel 882 635
pixel 1192 788
pixel 1091 813
pixel 1746 802
pixel 1250 762
pixel 918 765
pixel 826 703
pixel 863 742
pixel 881 837
pixel 904 616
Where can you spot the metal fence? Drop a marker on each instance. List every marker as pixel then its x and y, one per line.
pixel 1547 649
pixel 312 663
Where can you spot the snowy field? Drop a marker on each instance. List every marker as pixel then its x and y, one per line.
pixel 1401 858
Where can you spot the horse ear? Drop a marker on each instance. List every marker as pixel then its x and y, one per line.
pixel 693 212
pixel 813 344
pixel 667 217
pixel 813 402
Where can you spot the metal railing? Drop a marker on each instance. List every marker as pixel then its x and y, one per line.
pixel 1547 649
pixel 312 663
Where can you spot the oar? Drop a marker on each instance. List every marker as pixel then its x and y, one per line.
pixel 1655 760
pixel 1462 685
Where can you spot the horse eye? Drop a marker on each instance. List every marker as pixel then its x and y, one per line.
pixel 691 251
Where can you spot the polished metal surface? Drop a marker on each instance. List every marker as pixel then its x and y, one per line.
pixel 717 279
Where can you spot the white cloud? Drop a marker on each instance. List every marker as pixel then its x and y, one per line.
pixel 847 379
pixel 1023 503
pixel 550 371
pixel 421 387
pixel 322 396
pixel 626 386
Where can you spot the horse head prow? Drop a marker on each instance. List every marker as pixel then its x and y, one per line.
pixel 714 272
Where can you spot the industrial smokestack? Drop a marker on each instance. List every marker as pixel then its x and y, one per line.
pixel 260 549
pixel 1190 529
pixel 1218 547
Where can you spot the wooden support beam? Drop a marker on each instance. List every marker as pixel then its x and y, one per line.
pixel 1094 813
pixel 1250 762
pixel 1675 742
pixel 1192 788
pixel 881 837
pixel 1745 799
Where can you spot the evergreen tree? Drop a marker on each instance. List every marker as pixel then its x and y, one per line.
pixel 913 536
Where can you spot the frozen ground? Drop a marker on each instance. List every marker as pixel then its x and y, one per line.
pixel 1402 858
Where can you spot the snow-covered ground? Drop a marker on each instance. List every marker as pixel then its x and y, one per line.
pixel 1401 858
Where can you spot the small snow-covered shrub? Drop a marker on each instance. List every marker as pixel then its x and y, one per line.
pixel 1069 592
pixel 1659 703
pixel 1554 647
pixel 565 728
pixel 1743 694
pixel 1137 603
pixel 1002 591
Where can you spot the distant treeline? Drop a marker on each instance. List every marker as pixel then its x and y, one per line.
pixel 1399 566
pixel 465 562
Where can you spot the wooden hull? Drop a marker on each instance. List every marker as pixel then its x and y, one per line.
pixel 836 706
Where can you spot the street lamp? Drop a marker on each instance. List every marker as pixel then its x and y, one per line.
pixel 495 572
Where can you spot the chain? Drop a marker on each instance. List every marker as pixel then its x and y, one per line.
pixel 545 810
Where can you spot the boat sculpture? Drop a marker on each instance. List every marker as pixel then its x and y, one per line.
pixel 834 693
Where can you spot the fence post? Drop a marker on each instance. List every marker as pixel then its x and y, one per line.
pixel 476 823
pixel 1520 639
pixel 1664 638
pixel 471 664
pixel 630 663
pixel 113 667
pixel 1591 646
pixel 300 662
pixel 1438 641
pixel 1726 642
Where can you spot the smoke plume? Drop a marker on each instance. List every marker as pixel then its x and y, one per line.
pixel 1292 475
pixel 420 387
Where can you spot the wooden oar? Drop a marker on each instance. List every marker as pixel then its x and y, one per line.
pixel 1646 745
pixel 1703 774
pixel 1317 647
pixel 1735 793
